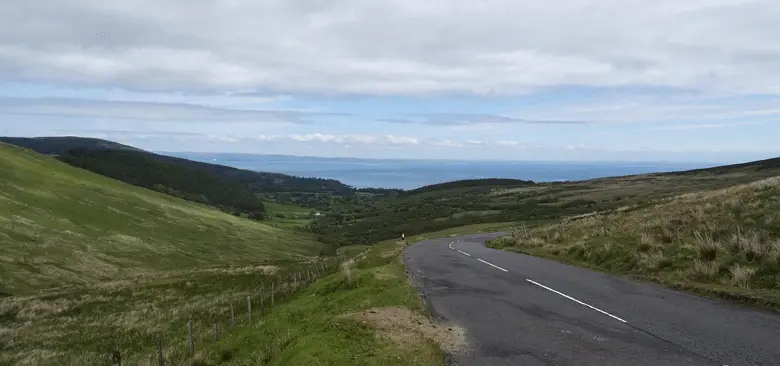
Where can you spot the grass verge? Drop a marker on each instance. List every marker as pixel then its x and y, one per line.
pixel 723 243
pixel 367 314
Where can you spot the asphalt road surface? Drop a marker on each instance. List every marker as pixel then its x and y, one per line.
pixel 523 310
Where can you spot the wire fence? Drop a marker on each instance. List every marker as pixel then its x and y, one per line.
pixel 179 340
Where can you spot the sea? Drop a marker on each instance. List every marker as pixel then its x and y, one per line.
pixel 410 174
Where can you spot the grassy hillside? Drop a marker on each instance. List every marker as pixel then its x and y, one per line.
pixel 723 241
pixel 60 225
pixel 367 220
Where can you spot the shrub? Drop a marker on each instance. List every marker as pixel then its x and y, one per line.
pixel 705 271
pixel 707 247
pixel 740 275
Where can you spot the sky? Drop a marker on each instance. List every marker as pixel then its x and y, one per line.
pixel 693 80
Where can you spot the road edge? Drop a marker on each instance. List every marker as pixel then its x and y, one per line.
pixel 450 359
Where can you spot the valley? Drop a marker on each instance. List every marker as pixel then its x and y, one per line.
pixel 105 247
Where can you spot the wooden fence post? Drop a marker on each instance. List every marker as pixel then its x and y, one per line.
pixel 116 358
pixel 262 300
pixel 214 326
pixel 249 307
pixel 190 341
pixel 232 316
pixel 160 358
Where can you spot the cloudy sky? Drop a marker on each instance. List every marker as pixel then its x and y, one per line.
pixel 492 79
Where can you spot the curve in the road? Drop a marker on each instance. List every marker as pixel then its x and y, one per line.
pixel 524 310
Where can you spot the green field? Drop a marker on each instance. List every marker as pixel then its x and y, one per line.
pixel 287 216
pixel 62 226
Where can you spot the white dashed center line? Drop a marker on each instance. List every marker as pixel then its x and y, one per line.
pixel 542 286
pixel 575 300
pixel 491 264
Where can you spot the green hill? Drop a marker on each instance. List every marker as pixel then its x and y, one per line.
pixel 60 225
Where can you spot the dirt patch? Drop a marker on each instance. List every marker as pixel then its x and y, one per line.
pixel 404 327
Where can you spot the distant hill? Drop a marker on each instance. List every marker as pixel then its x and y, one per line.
pixel 472 183
pixel 61 145
pixel 265 182
pixel 760 165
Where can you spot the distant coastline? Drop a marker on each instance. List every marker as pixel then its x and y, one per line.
pixel 410 174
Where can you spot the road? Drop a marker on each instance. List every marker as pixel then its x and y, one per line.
pixel 523 310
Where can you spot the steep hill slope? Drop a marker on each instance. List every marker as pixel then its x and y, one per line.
pixel 60 225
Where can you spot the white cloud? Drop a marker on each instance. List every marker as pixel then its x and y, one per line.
pixel 312 138
pixel 151 111
pixel 267 137
pixel 656 107
pixel 507 143
pixel 398 47
pixel 401 140
pixel 704 126
pixel 355 139
pixel 446 143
